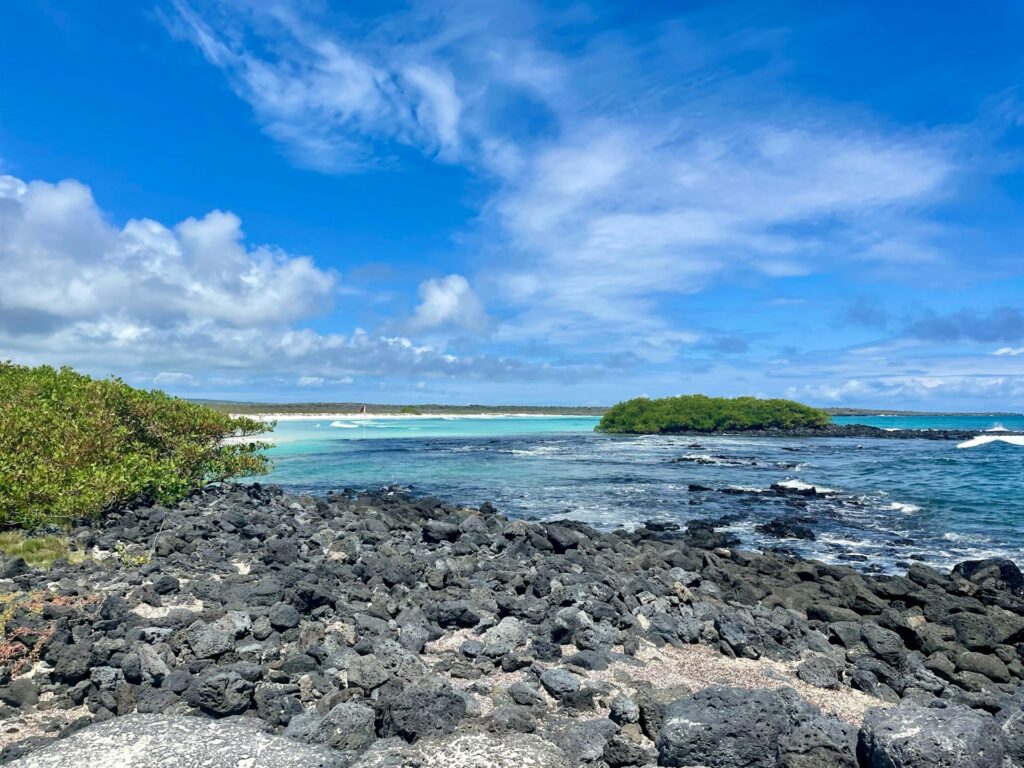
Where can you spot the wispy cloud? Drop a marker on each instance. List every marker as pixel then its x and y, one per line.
pixel 1001 324
pixel 649 170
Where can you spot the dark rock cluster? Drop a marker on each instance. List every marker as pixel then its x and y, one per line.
pixel 371 625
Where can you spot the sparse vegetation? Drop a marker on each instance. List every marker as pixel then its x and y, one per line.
pixel 699 413
pixel 36 551
pixel 73 447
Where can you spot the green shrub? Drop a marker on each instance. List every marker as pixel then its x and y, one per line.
pixel 408 410
pixel 74 447
pixel 699 413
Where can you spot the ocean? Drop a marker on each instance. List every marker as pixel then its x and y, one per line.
pixel 877 505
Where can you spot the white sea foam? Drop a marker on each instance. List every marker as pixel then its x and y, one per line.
pixel 974 442
pixel 800 485
pixel 966 538
pixel 344 425
pixel 903 507
pixel 997 427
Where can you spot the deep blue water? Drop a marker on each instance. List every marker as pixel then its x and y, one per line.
pixel 887 501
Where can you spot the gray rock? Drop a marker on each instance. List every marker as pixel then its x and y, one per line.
pixel 283 616
pixel 220 693
pixel 504 637
pixel 986 664
pixel 73 662
pixel 158 741
pixel 22 692
pixel 722 727
pixel 819 671
pixel 422 710
pixel 884 643
pixel 909 736
pixel 525 695
pixel 347 726
pixel 277 703
pixel 560 683
pixel 367 672
pixel 816 741
pixel 208 641
pixel 623 710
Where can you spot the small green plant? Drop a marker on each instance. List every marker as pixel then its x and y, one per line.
pixel 73 447
pixel 408 410
pixel 699 413
pixel 128 558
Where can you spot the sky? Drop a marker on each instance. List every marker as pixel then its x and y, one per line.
pixel 518 202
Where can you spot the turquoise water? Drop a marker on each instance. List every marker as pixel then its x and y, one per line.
pixel 881 503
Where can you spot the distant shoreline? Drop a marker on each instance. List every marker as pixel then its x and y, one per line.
pixel 380 416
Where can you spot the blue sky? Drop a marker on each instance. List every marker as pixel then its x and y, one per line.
pixel 512 202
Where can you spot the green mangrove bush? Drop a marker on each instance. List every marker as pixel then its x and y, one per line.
pixel 73 447
pixel 699 413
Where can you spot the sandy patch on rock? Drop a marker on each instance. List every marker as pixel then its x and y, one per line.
pixel 38 723
pixel 695 666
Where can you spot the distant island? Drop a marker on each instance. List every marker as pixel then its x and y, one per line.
pixel 699 413
pixel 891 412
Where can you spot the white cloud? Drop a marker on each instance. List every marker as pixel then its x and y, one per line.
pixel 195 302
pixel 64 265
pixel 318 95
pixel 626 192
pixel 449 301
pixel 172 378
pixel 1009 351
pixel 998 389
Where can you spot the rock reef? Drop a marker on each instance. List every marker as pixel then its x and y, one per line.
pixel 378 629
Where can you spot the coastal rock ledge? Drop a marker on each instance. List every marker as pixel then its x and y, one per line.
pixel 249 627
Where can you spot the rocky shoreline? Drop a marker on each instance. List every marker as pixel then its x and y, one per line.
pixel 377 629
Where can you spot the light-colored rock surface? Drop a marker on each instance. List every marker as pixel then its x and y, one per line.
pixel 158 741
pixel 467 750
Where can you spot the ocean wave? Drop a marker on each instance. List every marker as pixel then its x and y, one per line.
pixel 907 509
pixel 795 484
pixel 974 442
pixel 717 461
pixel 344 425
pixel 966 538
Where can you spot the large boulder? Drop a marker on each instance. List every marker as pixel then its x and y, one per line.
pixel 909 736
pixel 159 741
pixel 994 573
pixel 723 727
pixel 422 710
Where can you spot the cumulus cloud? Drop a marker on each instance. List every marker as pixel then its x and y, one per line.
pixel 194 302
pixel 449 301
pixel 65 266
